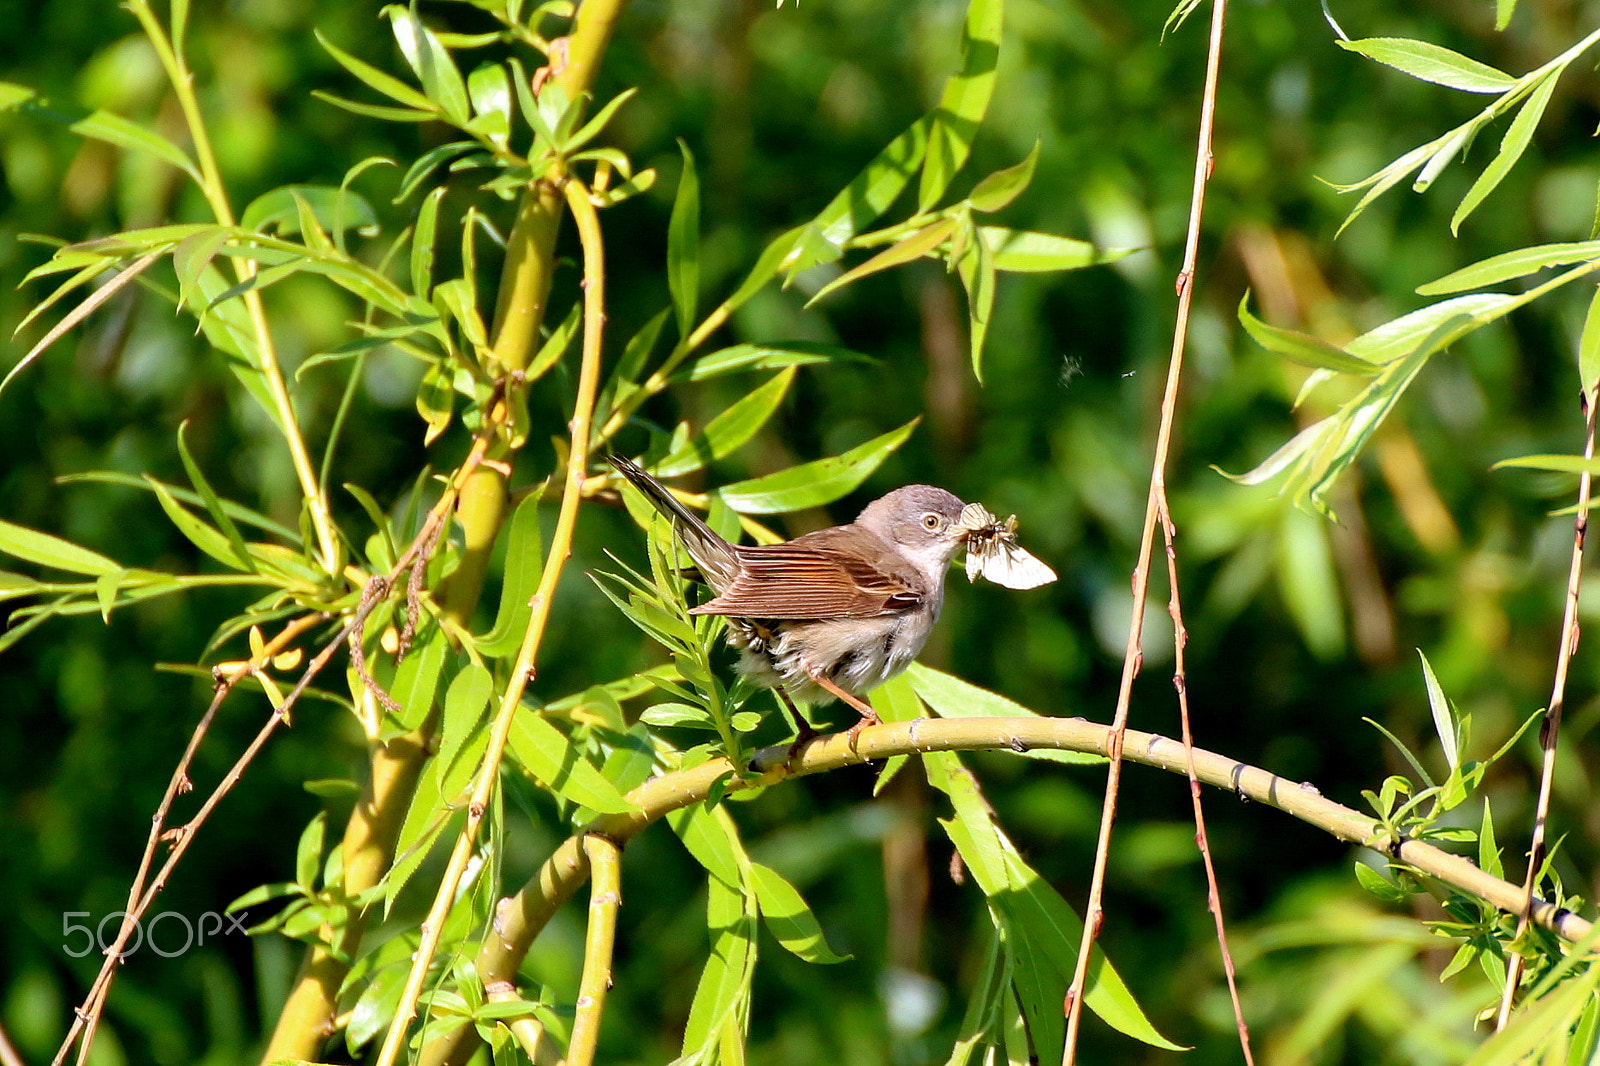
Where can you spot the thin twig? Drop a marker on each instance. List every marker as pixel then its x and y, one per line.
pixel 88 1014
pixel 605 866
pixel 519 918
pixel 1550 728
pixel 1132 656
pixel 1180 681
pixel 588 223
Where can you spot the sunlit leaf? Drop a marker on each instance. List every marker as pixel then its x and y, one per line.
pixel 431 61
pixel 1516 140
pixel 964 101
pixel 1432 62
pixel 550 756
pixel 788 918
pixel 815 483
pixel 730 429
pixel 683 246
pixel 43 549
pixel 1302 349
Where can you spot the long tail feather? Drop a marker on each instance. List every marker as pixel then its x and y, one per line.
pixel 714 555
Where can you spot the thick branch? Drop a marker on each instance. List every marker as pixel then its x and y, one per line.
pixel 520 918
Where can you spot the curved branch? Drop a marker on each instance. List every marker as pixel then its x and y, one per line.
pixel 520 918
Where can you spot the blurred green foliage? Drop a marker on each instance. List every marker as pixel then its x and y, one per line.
pixel 1298 627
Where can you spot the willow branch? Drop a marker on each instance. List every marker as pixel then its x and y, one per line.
pixel 1132 656
pixel 1550 728
pixel 588 222
pixel 519 918
pixel 605 869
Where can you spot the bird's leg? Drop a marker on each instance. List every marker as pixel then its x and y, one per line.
pixel 863 708
pixel 804 732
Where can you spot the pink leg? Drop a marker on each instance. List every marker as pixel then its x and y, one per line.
pixel 869 717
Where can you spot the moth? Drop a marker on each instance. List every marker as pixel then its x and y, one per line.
pixel 993 553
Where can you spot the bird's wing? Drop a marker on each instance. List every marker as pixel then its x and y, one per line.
pixel 816 576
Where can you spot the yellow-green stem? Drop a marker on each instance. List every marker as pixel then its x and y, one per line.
pixel 605 863
pixel 217 197
pixel 588 223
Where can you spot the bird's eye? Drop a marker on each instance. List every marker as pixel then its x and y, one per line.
pixel 932 522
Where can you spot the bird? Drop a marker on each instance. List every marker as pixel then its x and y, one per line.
pixel 830 614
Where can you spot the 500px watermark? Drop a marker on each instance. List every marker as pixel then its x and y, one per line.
pixel 104 935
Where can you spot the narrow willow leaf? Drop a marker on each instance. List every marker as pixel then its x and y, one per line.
pixel 1444 722
pixel 556 345
pixel 770 356
pixel 1399 337
pixel 921 243
pixel 964 101
pixel 462 736
pixel 490 92
pixel 683 246
pixel 524 567
pixel 43 549
pixel 430 60
pixel 435 400
pixel 1309 583
pixel 1516 140
pixel 427 163
pixel 308 853
pixel 788 918
pixel 1503 10
pixel 951 697
pixel 815 483
pixel 1025 251
pixel 192 255
pixel 1432 62
pixel 976 268
pixel 422 250
pixel 728 431
pixel 1513 264
pixel 595 125
pixel 417 678
pixel 378 111
pixel 386 84
pixel 213 503
pixel 112 129
pixel 1561 464
pixel 1589 348
pixel 1000 188
pixel 200 534
pixel 709 835
pixel 235 511
pixel 870 193
pixel 555 762
pixel 720 1011
pixel 1302 349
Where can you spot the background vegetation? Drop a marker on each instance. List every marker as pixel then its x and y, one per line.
pixel 1299 627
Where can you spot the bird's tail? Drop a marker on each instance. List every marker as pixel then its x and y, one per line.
pixel 712 554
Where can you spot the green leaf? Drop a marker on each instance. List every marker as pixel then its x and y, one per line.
pixel 46 550
pixel 711 838
pixel 422 250
pixel 964 102
pixel 219 513
pixel 1517 137
pixel 921 243
pixel 1024 251
pixel 490 91
pixel 869 194
pixel 720 1011
pixel 436 400
pixel 770 356
pixel 602 118
pixel 1302 349
pixel 729 430
pixel 951 697
pixel 427 163
pixel 556 345
pixel 1379 885
pixel 976 269
pixel 198 533
pixel 112 129
pixel 524 567
pixel 1444 719
pixel 462 736
pixel 417 678
pixel 386 84
pixel 430 60
pixel 1431 62
pixel 555 762
pixel 788 918
pixel 235 511
pixel 1560 464
pixel 815 483
pixel 1589 348
pixel 378 111
pixel 1000 188
pixel 683 247
pixel 308 855
pixel 1513 264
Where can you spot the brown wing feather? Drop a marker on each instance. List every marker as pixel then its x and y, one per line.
pixel 816 576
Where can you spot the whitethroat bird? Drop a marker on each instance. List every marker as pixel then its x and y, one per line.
pixel 836 613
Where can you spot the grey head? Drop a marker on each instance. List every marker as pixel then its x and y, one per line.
pixel 922 523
